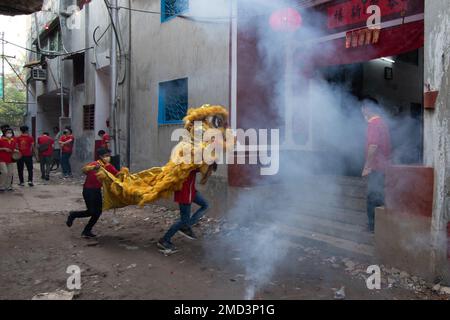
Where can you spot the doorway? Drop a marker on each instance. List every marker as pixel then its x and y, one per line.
pixel 397 83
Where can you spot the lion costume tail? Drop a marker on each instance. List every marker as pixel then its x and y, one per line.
pixel 147 186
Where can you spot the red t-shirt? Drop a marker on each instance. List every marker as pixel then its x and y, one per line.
pixel 67 148
pixel 46 140
pixel 105 140
pixel 92 181
pixel 7 143
pixel 378 134
pixel 187 193
pixel 25 144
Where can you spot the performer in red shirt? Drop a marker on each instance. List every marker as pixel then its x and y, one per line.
pixel 25 144
pixel 66 142
pixel 7 147
pixel 185 197
pixel 105 139
pixel 92 192
pixel 45 146
pixel 378 154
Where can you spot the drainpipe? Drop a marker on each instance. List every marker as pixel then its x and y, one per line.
pixel 61 75
pixel 129 90
pixel 112 114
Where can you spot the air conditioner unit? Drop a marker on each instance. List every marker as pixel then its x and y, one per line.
pixel 38 74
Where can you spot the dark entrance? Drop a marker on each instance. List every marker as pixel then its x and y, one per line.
pixel 397 83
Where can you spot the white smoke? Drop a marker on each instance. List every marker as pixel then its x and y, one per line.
pixel 337 126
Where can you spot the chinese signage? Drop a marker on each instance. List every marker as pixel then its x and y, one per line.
pixel 354 12
pixel 362 37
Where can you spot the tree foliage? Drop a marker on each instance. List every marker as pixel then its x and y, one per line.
pixel 13 113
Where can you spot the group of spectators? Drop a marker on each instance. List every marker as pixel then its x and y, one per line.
pixel 49 151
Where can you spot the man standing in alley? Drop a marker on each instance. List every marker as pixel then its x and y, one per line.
pixel 66 142
pixel 378 153
pixel 92 192
pixel 45 147
pixel 105 139
pixel 56 147
pixel 25 145
pixel 7 147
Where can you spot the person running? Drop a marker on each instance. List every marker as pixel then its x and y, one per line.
pixel 45 147
pixel 185 197
pixel 7 147
pixel 92 193
pixel 25 145
pixel 66 142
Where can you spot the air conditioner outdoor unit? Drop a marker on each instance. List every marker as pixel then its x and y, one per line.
pixel 38 74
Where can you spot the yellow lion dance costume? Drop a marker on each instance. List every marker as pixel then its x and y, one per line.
pixel 150 185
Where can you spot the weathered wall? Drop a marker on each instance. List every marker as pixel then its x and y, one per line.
pixel 165 51
pixel 437 126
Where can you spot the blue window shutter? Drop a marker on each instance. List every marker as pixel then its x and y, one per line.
pixel 173 101
pixel 171 8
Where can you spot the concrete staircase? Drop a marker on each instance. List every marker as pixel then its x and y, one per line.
pixel 325 211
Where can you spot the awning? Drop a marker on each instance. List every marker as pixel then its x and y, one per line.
pixel 18 7
pixel 32 64
pixel 392 41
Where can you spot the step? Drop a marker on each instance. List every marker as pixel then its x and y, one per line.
pixel 338 215
pixel 331 201
pixel 297 235
pixel 351 232
pixel 314 210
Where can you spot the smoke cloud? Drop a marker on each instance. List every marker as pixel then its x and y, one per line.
pixel 329 125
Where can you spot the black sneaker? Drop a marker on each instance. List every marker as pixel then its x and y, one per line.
pixel 188 233
pixel 166 246
pixel 31 184
pixel 70 220
pixel 21 184
pixel 88 235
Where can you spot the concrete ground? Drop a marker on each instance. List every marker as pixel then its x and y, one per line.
pixel 36 247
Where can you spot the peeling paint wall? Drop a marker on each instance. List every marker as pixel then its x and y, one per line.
pixel 437 122
pixel 166 51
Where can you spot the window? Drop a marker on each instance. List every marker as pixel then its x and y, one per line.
pixel 172 8
pixel 88 117
pixel 78 69
pixel 173 101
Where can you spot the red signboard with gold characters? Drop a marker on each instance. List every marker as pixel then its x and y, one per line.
pixel 355 11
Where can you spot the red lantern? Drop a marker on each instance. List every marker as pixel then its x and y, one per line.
pixel 286 19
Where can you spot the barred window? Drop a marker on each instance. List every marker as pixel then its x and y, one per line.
pixel 173 101
pixel 88 117
pixel 172 8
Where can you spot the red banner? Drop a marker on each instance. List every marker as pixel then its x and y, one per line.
pixel 354 12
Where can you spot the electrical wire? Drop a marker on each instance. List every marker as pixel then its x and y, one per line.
pixel 108 7
pixel 102 35
pixel 53 54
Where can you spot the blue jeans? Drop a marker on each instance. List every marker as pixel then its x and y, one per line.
pixel 65 164
pixel 186 221
pixel 375 196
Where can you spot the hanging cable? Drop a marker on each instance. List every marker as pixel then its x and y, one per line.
pixel 101 36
